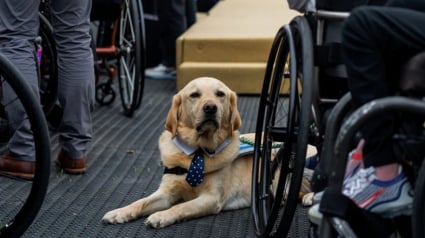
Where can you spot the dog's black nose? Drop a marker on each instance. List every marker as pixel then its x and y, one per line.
pixel 210 108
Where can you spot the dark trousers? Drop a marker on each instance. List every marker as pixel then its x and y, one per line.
pixel 172 23
pixel 377 41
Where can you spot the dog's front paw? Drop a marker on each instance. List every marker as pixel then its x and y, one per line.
pixel 116 216
pixel 307 199
pixel 158 220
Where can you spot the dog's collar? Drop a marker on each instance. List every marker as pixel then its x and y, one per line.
pixel 175 170
pixel 188 150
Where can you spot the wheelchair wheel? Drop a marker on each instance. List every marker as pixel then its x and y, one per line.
pixel 105 94
pixel 48 75
pixel 283 120
pixel 131 62
pixel 418 216
pixel 17 216
pixel 331 225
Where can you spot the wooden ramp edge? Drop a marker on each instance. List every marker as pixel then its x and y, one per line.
pixel 232 43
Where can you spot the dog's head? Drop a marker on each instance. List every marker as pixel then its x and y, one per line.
pixel 205 107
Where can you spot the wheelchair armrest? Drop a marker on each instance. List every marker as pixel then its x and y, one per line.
pixel 362 222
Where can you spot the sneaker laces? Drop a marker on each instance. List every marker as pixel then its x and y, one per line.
pixel 358 182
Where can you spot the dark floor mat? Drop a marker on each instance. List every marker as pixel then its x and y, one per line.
pixel 123 167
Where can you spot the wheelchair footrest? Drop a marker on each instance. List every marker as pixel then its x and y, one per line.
pixel 362 222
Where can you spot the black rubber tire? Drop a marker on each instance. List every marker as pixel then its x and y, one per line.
pixel 31 205
pixel 283 119
pixel 418 216
pixel 131 58
pixel 105 94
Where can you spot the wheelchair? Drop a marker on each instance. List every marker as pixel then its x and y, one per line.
pixel 341 217
pixel 304 80
pixel 120 48
pixel 119 44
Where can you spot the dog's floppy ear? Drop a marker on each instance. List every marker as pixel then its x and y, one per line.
pixel 173 115
pixel 235 117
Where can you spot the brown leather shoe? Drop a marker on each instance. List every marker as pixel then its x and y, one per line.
pixel 11 166
pixel 71 165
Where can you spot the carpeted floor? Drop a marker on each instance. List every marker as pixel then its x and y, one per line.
pixel 123 167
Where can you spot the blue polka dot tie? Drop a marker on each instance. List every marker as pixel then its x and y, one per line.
pixel 195 176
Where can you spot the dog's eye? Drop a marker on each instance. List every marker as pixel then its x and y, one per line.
pixel 195 95
pixel 220 94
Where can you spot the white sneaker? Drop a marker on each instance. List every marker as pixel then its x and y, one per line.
pixel 161 72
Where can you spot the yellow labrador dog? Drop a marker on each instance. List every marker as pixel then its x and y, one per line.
pixel 199 149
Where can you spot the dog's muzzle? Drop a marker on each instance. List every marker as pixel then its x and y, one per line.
pixel 210 118
pixel 209 109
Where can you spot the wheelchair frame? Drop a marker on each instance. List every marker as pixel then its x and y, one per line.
pixel 303 122
pixel 334 159
pixel 126 51
pixel 128 47
pixel 264 205
pixel 291 60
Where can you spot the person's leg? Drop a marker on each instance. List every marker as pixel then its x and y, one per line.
pixel 70 20
pixel 190 12
pixel 19 24
pixel 377 41
pixel 172 23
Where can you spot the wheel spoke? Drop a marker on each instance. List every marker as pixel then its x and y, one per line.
pixel 131 42
pixel 127 76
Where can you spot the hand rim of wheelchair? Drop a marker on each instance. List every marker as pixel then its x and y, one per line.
pixel 265 209
pixel 33 202
pixel 345 137
pixel 131 62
